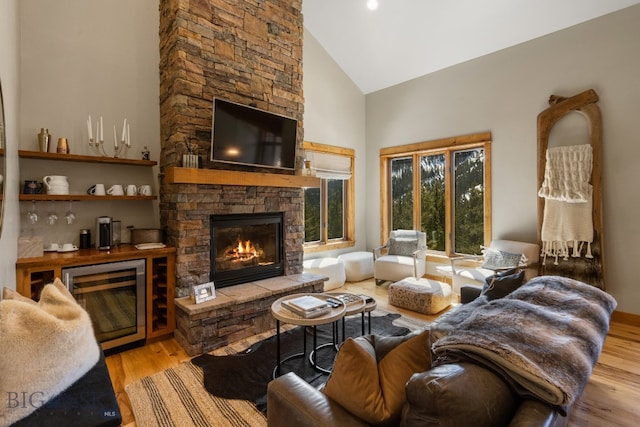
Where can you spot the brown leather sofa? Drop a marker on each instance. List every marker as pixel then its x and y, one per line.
pixel 449 395
pixel 463 387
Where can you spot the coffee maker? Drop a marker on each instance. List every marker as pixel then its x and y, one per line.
pixel 104 232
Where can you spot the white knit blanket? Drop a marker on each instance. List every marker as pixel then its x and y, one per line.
pixel 567 174
pixel 567 226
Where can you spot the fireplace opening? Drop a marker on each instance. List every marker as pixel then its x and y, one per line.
pixel 246 247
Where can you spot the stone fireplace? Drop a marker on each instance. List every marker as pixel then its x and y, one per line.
pixel 248 52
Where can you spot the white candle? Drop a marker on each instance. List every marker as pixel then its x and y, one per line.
pixel 124 129
pixel 128 136
pixel 90 129
pixel 115 136
pixel 101 130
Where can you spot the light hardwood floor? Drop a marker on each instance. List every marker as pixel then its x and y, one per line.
pixel 610 398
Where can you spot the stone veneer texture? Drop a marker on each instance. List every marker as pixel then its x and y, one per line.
pixel 186 214
pixel 249 52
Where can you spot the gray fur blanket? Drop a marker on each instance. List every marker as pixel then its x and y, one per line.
pixel 543 339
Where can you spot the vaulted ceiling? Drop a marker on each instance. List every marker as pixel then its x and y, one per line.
pixel 405 39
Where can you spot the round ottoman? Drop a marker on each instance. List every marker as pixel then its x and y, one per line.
pixel 332 268
pixel 422 295
pixel 357 265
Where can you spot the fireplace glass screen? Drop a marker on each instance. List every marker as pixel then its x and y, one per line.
pixel 245 247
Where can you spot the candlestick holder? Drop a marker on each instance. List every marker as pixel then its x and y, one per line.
pixel 98 148
pixel 97 144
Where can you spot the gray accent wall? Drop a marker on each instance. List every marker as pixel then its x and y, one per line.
pixel 503 93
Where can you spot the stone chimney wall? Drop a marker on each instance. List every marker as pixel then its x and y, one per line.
pixel 249 52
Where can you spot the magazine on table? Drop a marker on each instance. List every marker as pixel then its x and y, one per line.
pixel 307 314
pixel 306 303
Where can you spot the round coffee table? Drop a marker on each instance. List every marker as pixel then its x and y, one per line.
pixel 282 314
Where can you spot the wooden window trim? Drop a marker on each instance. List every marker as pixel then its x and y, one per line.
pixel 417 149
pixel 349 200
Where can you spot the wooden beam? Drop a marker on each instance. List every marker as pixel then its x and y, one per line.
pixel 177 175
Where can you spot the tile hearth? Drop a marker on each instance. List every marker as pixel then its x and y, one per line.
pixel 237 312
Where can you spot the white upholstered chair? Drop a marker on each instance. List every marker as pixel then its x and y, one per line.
pixel 473 270
pixel 402 256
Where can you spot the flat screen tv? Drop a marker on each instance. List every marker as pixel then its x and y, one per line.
pixel 249 136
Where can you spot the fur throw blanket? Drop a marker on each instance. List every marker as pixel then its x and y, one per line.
pixel 46 347
pixel 543 339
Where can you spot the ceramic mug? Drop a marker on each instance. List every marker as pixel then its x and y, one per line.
pixel 69 247
pixel 31 186
pixel 52 247
pixel 131 190
pixel 97 190
pixel 144 190
pixel 115 190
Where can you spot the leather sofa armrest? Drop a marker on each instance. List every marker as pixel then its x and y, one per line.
pixel 469 293
pixel 293 402
pixel 532 413
pixel 454 394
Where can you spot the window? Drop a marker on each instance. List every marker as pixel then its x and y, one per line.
pixel 328 210
pixel 442 188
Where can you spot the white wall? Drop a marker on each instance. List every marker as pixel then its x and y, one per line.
pixel 503 93
pixel 9 78
pixel 81 58
pixel 334 111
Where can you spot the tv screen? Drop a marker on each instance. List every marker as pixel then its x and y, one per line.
pixel 250 136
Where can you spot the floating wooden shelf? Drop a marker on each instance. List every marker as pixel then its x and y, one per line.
pixel 177 175
pixel 81 158
pixel 78 197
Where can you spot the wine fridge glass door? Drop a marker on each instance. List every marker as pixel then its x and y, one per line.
pixel 113 295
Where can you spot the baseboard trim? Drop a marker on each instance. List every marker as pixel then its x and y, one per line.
pixel 626 318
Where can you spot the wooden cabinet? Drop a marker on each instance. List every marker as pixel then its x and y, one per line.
pixel 33 273
pixel 161 314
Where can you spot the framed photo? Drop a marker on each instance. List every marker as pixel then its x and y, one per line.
pixel 204 292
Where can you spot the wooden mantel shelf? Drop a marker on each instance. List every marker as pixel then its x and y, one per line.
pixel 177 175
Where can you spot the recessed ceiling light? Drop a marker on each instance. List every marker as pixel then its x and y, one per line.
pixel 372 4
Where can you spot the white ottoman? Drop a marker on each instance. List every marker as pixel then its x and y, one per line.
pixel 333 268
pixel 357 265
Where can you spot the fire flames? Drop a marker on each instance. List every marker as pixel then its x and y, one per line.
pixel 242 251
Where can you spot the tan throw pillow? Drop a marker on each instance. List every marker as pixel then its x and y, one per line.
pixel 375 391
pixel 11 294
pixel 46 347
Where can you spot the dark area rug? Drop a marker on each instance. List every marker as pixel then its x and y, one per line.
pixel 246 375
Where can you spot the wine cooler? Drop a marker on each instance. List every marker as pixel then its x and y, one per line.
pixel 114 296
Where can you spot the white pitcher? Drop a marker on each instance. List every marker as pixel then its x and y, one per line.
pixel 56 184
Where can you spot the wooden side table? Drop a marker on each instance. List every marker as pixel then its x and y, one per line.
pixel 281 314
